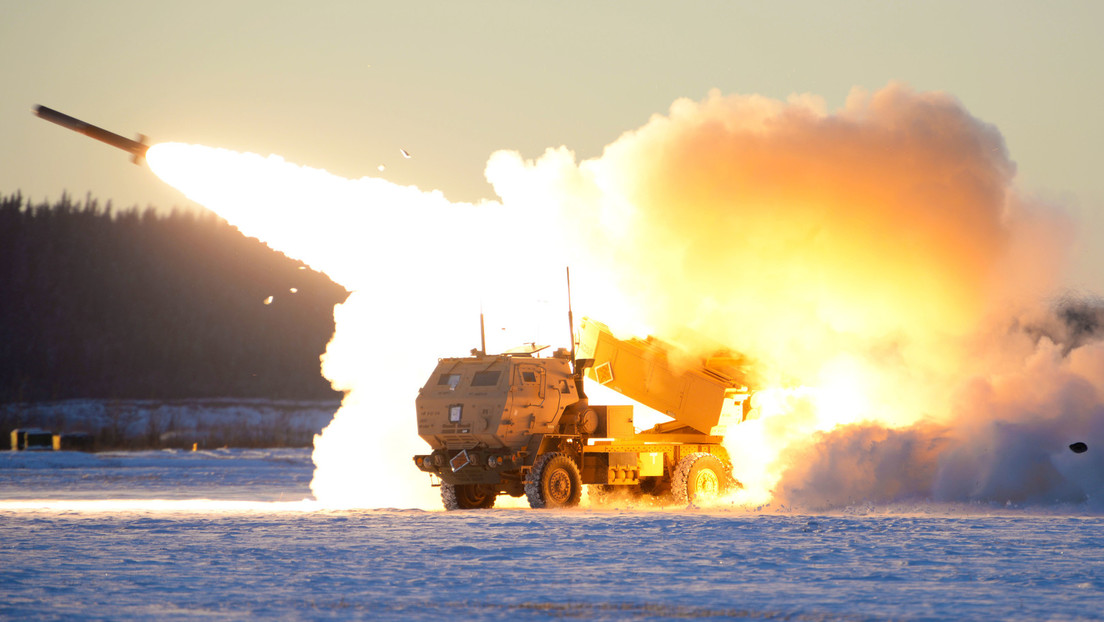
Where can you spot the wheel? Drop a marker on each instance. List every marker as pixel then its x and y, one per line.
pixel 699 477
pixel 554 482
pixel 468 496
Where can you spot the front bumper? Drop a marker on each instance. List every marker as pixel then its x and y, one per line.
pixel 469 466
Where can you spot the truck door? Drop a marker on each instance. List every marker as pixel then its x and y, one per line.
pixel 529 385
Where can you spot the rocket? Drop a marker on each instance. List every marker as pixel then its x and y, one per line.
pixel 136 148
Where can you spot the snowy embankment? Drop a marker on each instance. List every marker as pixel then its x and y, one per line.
pixel 224 535
pixel 177 423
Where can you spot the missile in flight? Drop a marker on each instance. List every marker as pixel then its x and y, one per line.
pixel 136 148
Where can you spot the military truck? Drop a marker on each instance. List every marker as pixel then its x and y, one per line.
pixel 517 423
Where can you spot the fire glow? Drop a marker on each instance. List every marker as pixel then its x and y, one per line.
pixel 863 257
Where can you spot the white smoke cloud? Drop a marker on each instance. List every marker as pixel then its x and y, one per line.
pixel 878 255
pixel 418 268
pixel 876 260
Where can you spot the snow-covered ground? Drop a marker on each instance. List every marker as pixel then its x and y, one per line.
pixel 170 474
pixel 224 535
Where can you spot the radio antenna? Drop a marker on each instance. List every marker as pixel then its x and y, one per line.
pixel 570 317
pixel 482 333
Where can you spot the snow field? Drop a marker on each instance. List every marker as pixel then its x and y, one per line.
pixel 261 560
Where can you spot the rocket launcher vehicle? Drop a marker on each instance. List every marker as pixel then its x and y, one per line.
pixel 519 424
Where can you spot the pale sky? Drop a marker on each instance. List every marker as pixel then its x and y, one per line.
pixel 345 85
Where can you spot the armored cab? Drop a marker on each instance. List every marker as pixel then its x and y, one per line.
pixel 496 403
pixel 486 417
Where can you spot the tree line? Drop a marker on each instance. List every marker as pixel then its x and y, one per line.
pixel 143 304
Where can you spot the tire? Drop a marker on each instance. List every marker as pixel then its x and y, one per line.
pixel 468 496
pixel 554 482
pixel 700 477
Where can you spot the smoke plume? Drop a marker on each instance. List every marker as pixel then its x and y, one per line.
pixel 1007 439
pixel 879 264
pixel 876 261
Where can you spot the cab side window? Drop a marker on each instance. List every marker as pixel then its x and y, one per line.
pixel 450 379
pixel 485 378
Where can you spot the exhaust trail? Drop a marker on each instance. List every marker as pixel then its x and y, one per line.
pixel 418 267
